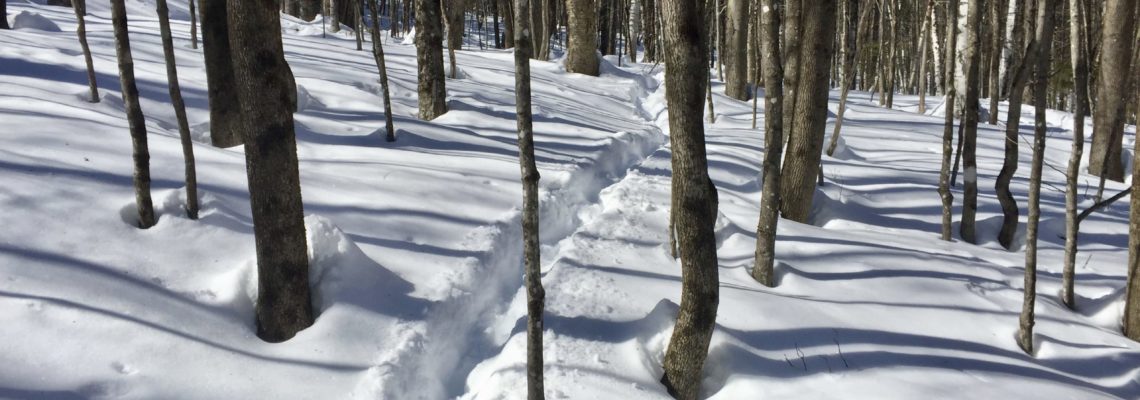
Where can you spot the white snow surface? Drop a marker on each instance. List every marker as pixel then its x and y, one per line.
pixel 416 245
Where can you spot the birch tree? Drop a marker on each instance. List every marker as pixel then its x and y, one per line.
pixel 136 121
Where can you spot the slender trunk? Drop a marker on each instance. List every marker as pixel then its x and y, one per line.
pixel 453 18
pixel 358 22
pixel 141 154
pixel 848 77
pixel 179 110
pixel 1044 39
pixel 224 113
pixel 264 82
pixel 193 26
pixel 694 197
pixel 4 14
pixel 1019 59
pixel 970 121
pixel 997 19
pixel 80 7
pixel 763 270
pixel 378 56
pixel 923 50
pixel 948 126
pixel 1078 54
pixel 429 59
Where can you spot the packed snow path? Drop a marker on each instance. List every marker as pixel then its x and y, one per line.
pixel 416 246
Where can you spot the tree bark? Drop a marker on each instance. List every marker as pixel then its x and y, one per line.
pixel 135 119
pixel 179 109
pixel 809 107
pixel 263 83
pixel 997 21
pixel 429 59
pixel 193 26
pixel 948 126
pixel 736 58
pixel 924 37
pixel 80 7
pixel 848 74
pixel 224 112
pixel 1108 115
pixel 1079 59
pixel 773 70
pixel 582 52
pixel 378 56
pixel 694 196
pixel 970 120
pixel 535 295
pixel 1044 43
pixel 4 15
pixel 1019 59
pixel 453 19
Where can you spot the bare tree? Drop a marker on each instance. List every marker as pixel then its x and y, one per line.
pixel 848 72
pixel 179 109
pixel 264 82
pixel 1108 115
pixel 378 56
pixel 535 295
pixel 582 52
pixel 4 15
pixel 998 9
pixel 1020 58
pixel 971 65
pixel 924 37
pixel 141 154
pixel 429 58
pixel 1044 44
pixel 694 196
pixel 80 7
pixel 224 118
pixel 453 20
pixel 1079 58
pixel 948 126
pixel 193 26
pixel 773 70
pixel 736 59
pixel 809 112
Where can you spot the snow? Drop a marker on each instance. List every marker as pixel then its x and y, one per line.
pixel 31 20
pixel 416 245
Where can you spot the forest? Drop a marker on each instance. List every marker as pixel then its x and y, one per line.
pixel 569 199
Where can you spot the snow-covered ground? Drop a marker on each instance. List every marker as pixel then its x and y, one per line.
pixel 416 245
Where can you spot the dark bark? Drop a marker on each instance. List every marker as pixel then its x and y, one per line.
pixel 998 9
pixel 179 110
pixel 849 76
pixel 81 31
pixel 135 119
pixel 948 126
pixel 429 59
pixel 224 113
pixel 1079 59
pixel 736 59
pixel 4 15
pixel 1108 115
pixel 535 295
pixel 801 168
pixel 453 18
pixel 971 63
pixel 773 69
pixel 263 83
pixel 694 196
pixel 1044 43
pixel 1020 59
pixel 378 56
pixel 193 25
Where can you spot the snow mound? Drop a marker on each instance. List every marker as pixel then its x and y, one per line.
pixel 31 20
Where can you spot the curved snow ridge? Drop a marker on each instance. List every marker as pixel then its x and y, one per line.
pixel 457 333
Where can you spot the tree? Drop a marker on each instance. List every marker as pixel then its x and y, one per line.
pixel 535 295
pixel 1044 43
pixel 848 72
pixel 453 19
pixel 809 106
pixel 4 14
pixel 998 10
pixel 582 53
pixel 634 28
pixel 429 59
pixel 694 196
pixel 81 31
pixel 1079 58
pixel 263 82
pixel 222 93
pixel 773 70
pixel 378 56
pixel 971 65
pixel 924 37
pixel 1108 115
pixel 736 59
pixel 948 125
pixel 135 120
pixel 1019 59
pixel 179 109
pixel 1132 303
pixel 193 26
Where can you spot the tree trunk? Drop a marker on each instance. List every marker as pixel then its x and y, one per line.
pixel 971 63
pixel 1108 115
pixel 1020 57
pixel 694 196
pixel 193 26
pixel 4 14
pixel 535 295
pixel 736 58
pixel 81 31
pixel 581 54
pixel 849 76
pixel 179 109
pixel 1079 59
pixel 453 18
pixel 429 59
pixel 224 114
pixel 264 81
pixel 141 154
pixel 948 126
pixel 634 28
pixel 924 37
pixel 1044 43
pixel 334 15
pixel 809 112
pixel 997 19
pixel 773 69
pixel 378 56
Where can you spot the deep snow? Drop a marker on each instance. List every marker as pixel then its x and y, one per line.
pixel 416 245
